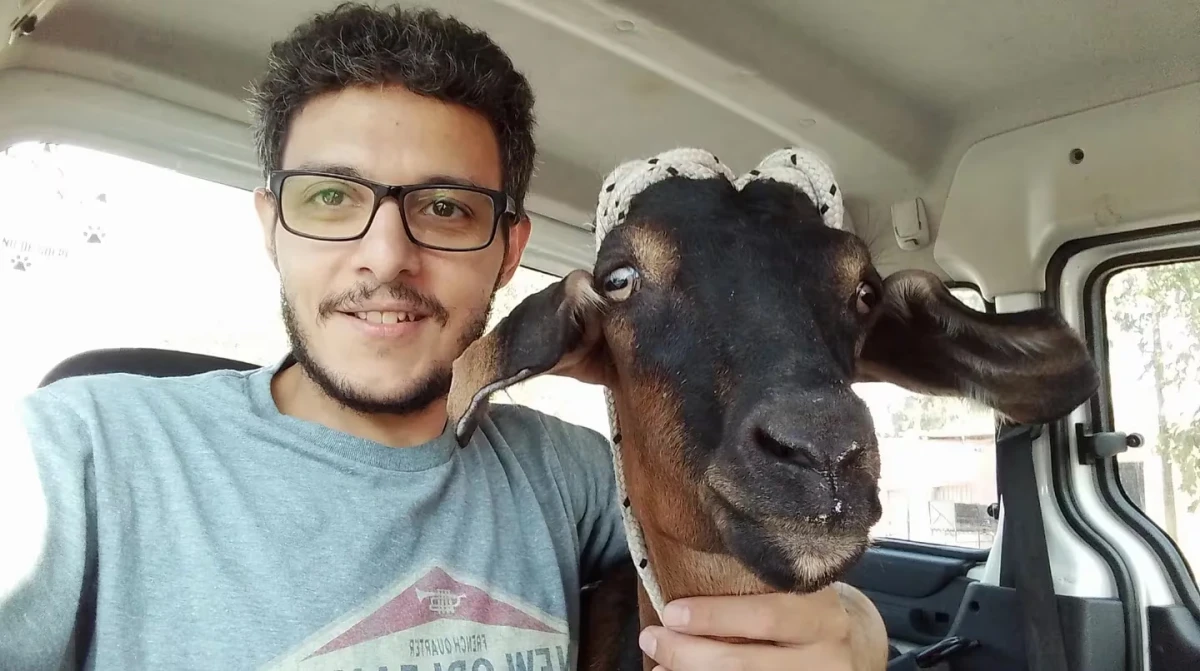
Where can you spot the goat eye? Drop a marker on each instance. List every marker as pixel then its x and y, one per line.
pixel 867 299
pixel 620 283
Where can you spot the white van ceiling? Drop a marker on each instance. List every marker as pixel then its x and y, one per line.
pixel 893 93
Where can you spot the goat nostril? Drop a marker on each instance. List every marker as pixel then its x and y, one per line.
pixel 799 455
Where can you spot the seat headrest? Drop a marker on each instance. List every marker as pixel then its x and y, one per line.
pixel 141 361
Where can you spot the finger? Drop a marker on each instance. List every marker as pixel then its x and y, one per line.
pixel 788 619
pixel 682 652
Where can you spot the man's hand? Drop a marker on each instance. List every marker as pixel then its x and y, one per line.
pixel 835 629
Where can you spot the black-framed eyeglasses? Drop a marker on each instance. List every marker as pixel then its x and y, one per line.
pixel 446 217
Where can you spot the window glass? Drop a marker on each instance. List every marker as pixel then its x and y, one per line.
pixel 103 251
pixel 1153 323
pixel 938 462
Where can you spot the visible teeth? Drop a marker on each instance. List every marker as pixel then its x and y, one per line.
pixel 376 317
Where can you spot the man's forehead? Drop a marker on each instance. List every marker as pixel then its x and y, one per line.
pixel 393 136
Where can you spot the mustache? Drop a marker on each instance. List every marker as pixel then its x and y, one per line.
pixel 401 292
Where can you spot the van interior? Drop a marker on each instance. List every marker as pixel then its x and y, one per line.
pixel 1028 153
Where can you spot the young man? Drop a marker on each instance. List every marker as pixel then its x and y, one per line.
pixel 316 513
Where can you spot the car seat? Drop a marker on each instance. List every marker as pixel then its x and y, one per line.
pixel 141 361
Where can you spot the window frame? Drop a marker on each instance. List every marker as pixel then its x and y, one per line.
pixel 1161 543
pixel 1064 435
pixel 978 555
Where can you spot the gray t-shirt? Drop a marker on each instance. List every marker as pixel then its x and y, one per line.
pixel 191 525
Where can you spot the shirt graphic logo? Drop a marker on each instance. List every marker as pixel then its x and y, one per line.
pixel 437 622
pixel 441 601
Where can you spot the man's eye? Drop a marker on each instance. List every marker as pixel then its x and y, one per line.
pixel 331 197
pixel 445 209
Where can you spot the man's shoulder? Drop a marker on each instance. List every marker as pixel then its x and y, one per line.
pixel 109 413
pixel 542 435
pixel 109 393
pixel 511 418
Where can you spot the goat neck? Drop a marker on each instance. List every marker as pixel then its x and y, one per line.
pixel 682 542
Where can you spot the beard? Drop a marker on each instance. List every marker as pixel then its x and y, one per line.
pixel 419 394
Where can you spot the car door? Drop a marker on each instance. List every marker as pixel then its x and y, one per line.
pixel 1137 297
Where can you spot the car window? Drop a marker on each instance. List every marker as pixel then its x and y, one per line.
pixel 1153 321
pixel 103 251
pixel 938 462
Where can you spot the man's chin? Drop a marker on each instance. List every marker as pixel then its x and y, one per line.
pixel 376 392
pixel 370 377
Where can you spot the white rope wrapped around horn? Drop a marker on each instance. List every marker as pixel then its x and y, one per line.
pixel 800 168
pixel 633 177
pixel 807 172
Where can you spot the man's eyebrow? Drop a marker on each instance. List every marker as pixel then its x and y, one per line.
pixel 333 169
pixel 451 179
pixel 351 171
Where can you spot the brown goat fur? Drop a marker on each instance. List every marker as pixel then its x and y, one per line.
pixel 729 325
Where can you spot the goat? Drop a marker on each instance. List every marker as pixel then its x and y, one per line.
pixel 727 319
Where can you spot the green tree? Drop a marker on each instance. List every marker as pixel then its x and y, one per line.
pixel 1158 307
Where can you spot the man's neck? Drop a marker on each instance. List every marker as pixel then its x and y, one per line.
pixel 297 395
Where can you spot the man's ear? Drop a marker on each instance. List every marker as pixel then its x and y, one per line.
pixel 556 331
pixel 518 237
pixel 1030 366
pixel 264 206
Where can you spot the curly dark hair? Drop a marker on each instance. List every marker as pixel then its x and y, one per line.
pixel 419 49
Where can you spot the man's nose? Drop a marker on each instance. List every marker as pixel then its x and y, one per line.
pixel 386 250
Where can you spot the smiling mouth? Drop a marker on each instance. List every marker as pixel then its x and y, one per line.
pixel 376 317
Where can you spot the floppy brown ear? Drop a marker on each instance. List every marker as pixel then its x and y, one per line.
pixel 556 330
pixel 1029 366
